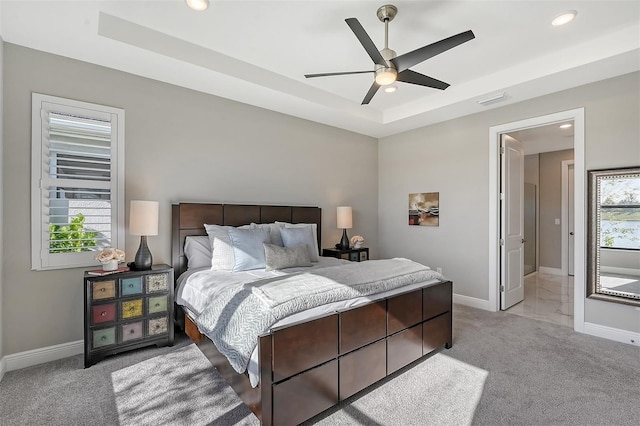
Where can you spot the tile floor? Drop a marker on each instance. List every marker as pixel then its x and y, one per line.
pixel 547 298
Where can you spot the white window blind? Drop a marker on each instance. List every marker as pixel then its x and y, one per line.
pixel 77 196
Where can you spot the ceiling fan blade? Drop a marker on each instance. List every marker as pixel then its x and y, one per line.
pixel 366 42
pixel 328 74
pixel 412 58
pixel 372 91
pixel 408 76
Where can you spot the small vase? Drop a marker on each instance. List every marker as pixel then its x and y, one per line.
pixel 110 265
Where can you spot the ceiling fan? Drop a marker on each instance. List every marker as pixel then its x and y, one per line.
pixel 388 66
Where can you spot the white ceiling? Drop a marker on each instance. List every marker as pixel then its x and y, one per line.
pixel 257 52
pixel 548 138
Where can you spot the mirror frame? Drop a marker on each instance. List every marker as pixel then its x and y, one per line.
pixel 594 289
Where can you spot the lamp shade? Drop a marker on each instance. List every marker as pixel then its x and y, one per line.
pixel 143 217
pixel 345 218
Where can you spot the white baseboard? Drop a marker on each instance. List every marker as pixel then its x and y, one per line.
pixel 3 368
pixel 42 355
pixel 611 333
pixel 472 301
pixel 550 271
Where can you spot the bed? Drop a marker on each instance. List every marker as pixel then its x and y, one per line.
pixel 307 366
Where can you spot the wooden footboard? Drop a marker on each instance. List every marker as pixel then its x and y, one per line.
pixel 310 366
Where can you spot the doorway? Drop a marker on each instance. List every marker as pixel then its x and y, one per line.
pixel 495 132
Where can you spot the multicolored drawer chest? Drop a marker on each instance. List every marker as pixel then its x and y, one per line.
pixel 127 310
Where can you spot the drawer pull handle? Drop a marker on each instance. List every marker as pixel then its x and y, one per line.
pixel 104 338
pixel 103 289
pixel 130 285
pixel 132 331
pixel 157 305
pixel 103 313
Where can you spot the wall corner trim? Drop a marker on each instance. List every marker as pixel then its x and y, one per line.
pixel 42 355
pixel 610 333
pixel 3 368
pixel 472 302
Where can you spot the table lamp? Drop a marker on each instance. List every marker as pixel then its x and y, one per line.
pixel 345 221
pixel 143 221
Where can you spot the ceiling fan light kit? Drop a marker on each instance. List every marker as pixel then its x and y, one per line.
pixel 388 66
pixel 386 76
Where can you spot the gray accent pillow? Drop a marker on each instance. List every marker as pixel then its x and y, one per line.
pixel 292 237
pixel 248 248
pixel 277 257
pixel 197 249
pixel 315 253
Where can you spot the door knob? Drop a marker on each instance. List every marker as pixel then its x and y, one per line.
pixel 570 233
pixel 524 241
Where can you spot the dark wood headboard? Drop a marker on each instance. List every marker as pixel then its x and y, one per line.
pixel 189 219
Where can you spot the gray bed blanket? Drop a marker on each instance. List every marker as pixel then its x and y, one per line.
pixel 235 319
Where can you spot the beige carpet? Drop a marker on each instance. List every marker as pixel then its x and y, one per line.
pixel 177 388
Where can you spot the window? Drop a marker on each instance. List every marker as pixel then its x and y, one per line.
pixel 77 188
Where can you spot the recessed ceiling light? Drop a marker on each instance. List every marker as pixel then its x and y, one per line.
pixel 391 88
pixel 565 126
pixel 198 5
pixel 564 18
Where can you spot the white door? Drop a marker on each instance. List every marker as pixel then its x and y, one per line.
pixel 512 222
pixel 570 219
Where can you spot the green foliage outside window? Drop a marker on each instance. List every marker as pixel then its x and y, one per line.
pixel 71 238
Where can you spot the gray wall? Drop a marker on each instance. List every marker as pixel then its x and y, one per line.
pixel 181 145
pixel 532 169
pixel 453 158
pixel 551 207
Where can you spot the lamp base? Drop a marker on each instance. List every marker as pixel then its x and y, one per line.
pixel 143 259
pixel 344 242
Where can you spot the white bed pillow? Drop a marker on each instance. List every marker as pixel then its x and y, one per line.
pixel 303 235
pixel 222 258
pixel 314 254
pixel 274 231
pixel 248 248
pixel 277 257
pixel 197 250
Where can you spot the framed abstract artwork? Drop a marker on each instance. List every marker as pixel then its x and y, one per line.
pixel 424 209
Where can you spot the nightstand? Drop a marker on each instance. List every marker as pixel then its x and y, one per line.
pixel 355 255
pixel 127 310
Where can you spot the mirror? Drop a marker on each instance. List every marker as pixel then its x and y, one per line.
pixel 613 267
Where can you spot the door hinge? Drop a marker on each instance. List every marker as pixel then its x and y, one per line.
pixel 502 196
pixel 502 150
pixel 501 288
pixel 501 242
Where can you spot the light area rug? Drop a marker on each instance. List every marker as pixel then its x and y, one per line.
pixel 181 388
